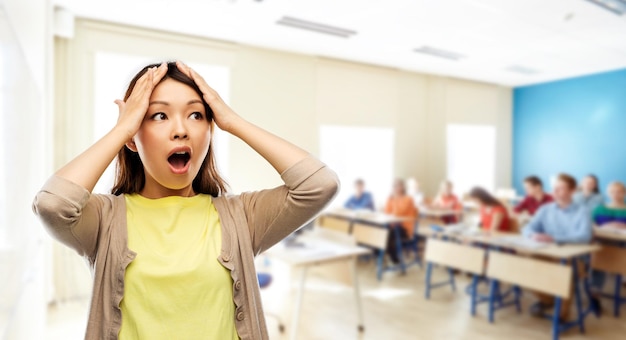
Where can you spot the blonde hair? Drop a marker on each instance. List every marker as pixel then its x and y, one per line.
pixel 617 184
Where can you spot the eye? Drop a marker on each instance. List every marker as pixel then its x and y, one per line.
pixel 196 116
pixel 159 116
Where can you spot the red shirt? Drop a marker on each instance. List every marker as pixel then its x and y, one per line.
pixel 487 214
pixel 531 205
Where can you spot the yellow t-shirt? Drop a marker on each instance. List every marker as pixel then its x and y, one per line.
pixel 176 288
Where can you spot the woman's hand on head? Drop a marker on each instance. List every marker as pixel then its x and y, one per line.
pixel 133 110
pixel 223 115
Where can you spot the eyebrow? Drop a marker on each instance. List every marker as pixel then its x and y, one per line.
pixel 193 101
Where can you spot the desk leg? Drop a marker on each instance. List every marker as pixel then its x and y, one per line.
pixel 357 296
pixel 618 295
pixel 399 249
pixel 556 324
pixel 578 297
pixel 474 293
pixel 296 315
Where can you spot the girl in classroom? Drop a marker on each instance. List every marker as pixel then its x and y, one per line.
pixel 493 214
pixel 172 255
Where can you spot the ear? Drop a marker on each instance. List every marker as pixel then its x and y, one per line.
pixel 131 145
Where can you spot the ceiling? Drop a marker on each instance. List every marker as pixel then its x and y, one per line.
pixel 544 39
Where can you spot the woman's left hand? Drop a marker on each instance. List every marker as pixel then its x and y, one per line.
pixel 223 115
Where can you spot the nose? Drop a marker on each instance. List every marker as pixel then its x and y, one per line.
pixel 179 129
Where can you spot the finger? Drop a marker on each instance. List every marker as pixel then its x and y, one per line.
pixel 159 73
pixel 202 84
pixel 183 68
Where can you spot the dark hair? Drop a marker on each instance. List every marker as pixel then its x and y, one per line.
pixel 484 197
pixel 567 179
pixel 534 181
pixel 130 177
pixel 596 189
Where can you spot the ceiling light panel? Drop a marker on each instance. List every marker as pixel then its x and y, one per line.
pixel 315 27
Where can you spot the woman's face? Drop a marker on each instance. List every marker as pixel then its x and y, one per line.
pixel 398 189
pixel 588 184
pixel 617 193
pixel 174 138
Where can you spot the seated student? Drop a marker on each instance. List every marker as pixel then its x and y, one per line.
pixel 413 190
pixel 493 214
pixel 611 215
pixel 400 204
pixel 447 200
pixel 561 221
pixel 535 196
pixel 589 193
pixel 361 198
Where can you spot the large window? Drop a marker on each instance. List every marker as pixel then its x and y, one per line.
pixel 109 86
pixel 359 152
pixel 471 156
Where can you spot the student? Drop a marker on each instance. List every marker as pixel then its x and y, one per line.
pixel 535 196
pixel 493 214
pixel 589 193
pixel 172 256
pixel 413 190
pixel 400 204
pixel 361 198
pixel 561 221
pixel 612 215
pixel 447 200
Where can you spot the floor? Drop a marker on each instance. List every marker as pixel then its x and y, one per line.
pixel 394 308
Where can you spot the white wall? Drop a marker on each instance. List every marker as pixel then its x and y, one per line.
pixel 292 95
pixel 27 37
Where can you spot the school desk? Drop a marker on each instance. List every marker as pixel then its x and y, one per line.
pixel 379 220
pixel 513 259
pixel 319 248
pixel 611 259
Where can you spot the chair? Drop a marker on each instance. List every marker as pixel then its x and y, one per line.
pixel 265 279
pixel 373 237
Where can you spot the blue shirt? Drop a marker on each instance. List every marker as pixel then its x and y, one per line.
pixel 363 202
pixel 565 225
pixel 591 202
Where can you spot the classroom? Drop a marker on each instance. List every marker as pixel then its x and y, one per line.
pixel 281 169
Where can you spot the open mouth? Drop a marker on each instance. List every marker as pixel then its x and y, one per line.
pixel 179 161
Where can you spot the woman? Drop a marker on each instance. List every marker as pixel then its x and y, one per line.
pixel 493 214
pixel 447 200
pixel 400 204
pixel 172 256
pixel 589 194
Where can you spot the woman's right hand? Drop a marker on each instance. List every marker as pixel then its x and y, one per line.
pixel 133 110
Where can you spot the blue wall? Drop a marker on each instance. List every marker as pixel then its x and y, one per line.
pixel 575 125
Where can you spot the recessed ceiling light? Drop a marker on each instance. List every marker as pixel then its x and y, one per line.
pixel 440 53
pixel 315 27
pixel 615 6
pixel 522 70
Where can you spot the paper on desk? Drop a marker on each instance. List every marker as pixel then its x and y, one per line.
pixel 462 229
pixel 613 230
pixel 523 242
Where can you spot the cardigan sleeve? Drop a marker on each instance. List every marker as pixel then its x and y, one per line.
pixel 275 213
pixel 71 214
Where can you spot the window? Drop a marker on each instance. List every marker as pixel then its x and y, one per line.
pixel 471 156
pixel 109 86
pixel 359 152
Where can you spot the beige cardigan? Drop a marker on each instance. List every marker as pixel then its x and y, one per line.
pixel 95 226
